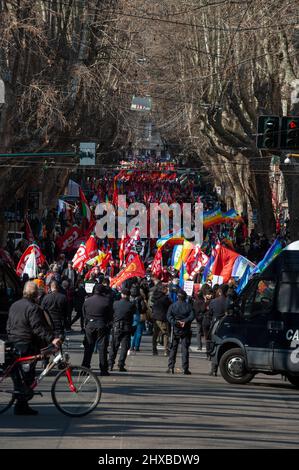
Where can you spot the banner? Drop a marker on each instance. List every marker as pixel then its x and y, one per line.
pixel 40 259
pixel 134 269
pixel 67 241
pixel 157 264
pixel 31 267
pixel 80 258
pixel 91 247
pixel 224 263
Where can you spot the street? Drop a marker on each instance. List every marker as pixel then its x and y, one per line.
pixel 147 408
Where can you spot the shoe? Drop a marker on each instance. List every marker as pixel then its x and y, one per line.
pixel 170 371
pixel 187 372
pixel 199 349
pixel 122 369
pixel 137 349
pixel 24 409
pixel 105 373
pixel 155 353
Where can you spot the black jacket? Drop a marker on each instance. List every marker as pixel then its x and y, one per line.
pixel 218 307
pixel 200 307
pixel 97 310
pixel 123 312
pixel 180 311
pixel 55 304
pixel 26 324
pixel 160 305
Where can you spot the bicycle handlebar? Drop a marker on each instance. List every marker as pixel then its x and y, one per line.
pixel 49 350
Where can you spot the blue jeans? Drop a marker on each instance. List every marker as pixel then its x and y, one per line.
pixel 136 339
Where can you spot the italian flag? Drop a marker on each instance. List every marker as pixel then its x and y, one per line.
pixel 86 212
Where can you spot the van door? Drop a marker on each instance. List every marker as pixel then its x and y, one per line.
pixel 286 348
pixel 257 312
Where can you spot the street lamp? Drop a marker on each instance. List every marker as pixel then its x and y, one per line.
pixel 287 160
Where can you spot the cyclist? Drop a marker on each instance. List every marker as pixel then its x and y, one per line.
pixel 28 331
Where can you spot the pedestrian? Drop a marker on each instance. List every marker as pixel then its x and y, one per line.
pixel 138 319
pixel 180 316
pixel 161 303
pixel 123 312
pixel 217 309
pixel 207 293
pixel 98 314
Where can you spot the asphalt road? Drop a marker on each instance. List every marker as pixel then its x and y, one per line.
pixel 147 408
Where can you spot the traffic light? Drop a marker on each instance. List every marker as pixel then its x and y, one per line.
pixel 289 133
pixel 268 132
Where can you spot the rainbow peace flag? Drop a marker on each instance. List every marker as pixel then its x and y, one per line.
pixel 212 217
pixel 172 239
pixel 232 216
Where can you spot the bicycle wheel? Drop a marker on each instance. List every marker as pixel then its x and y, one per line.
pixel 80 399
pixel 7 396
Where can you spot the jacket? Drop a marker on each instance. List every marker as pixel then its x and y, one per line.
pixel 218 307
pixel 97 310
pixel 56 305
pixel 180 311
pixel 160 305
pixel 123 313
pixel 26 324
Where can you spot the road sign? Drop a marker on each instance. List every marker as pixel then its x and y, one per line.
pixel 87 153
pixel 141 104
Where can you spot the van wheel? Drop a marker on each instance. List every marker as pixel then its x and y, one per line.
pixel 232 367
pixel 294 379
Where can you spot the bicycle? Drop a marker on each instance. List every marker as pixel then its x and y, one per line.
pixel 76 390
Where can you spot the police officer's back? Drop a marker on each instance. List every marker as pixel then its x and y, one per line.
pixel 97 312
pixel 180 315
pixel 123 314
pixel 56 305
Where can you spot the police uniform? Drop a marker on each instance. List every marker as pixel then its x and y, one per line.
pixel 97 313
pixel 180 311
pixel 121 333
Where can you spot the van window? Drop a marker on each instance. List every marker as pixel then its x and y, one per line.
pixel 260 300
pixel 288 298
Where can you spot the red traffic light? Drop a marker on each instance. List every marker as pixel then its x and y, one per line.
pixel 293 125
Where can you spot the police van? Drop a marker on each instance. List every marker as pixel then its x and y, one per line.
pixel 261 333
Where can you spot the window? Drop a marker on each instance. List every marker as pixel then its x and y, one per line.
pixel 288 298
pixel 260 299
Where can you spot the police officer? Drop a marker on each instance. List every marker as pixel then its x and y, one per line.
pixel 180 316
pixel 56 305
pixel 122 329
pixel 97 312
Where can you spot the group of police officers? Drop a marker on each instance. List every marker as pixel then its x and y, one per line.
pixel 108 316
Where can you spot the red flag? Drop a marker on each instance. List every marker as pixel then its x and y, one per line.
pixel 28 232
pixel 67 241
pixel 224 262
pixel 122 251
pixel 91 247
pixel 40 259
pixel 157 265
pixel 104 264
pixel 134 269
pixel 80 258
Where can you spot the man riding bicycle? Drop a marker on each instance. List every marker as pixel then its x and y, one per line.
pixel 28 331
